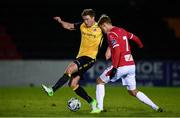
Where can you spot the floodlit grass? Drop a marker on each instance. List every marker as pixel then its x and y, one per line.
pixel 33 102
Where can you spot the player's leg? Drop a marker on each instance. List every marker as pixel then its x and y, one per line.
pixel 67 75
pixel 130 81
pixel 143 98
pixel 72 67
pixel 79 90
pixel 74 84
pixel 100 87
pixel 100 93
pixel 84 63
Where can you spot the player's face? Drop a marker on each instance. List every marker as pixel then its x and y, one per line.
pixel 88 20
pixel 104 27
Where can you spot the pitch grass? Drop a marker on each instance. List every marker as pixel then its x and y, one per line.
pixel 33 102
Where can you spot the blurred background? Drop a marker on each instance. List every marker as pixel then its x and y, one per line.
pixel 35 49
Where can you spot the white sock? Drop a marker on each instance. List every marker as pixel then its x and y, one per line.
pixel 143 98
pixel 100 93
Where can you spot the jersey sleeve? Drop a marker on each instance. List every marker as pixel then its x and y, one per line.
pixel 135 39
pixel 115 49
pixel 113 39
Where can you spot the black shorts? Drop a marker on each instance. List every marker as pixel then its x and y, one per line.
pixel 83 63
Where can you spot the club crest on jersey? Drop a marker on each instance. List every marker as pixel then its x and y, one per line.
pixel 113 42
pixel 94 29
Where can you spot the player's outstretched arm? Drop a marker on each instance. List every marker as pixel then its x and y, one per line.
pixel 66 25
pixel 135 39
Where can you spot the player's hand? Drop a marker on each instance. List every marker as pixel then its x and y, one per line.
pixel 108 53
pixel 141 46
pixel 57 18
pixel 113 72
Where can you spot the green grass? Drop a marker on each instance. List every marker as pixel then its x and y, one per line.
pixel 33 102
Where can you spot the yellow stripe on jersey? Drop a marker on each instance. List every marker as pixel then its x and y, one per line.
pixel 91 40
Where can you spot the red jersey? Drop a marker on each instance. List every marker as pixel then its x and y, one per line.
pixel 120 48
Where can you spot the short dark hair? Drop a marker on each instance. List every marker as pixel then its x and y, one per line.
pixel 104 19
pixel 89 12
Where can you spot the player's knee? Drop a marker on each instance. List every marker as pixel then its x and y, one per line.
pixel 73 83
pixel 99 81
pixel 133 92
pixel 72 86
pixel 69 71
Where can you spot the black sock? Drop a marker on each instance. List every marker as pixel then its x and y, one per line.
pixel 83 94
pixel 61 82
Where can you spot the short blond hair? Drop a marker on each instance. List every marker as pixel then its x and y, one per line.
pixel 104 19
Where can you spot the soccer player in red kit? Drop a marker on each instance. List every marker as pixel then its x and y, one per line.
pixel 123 65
